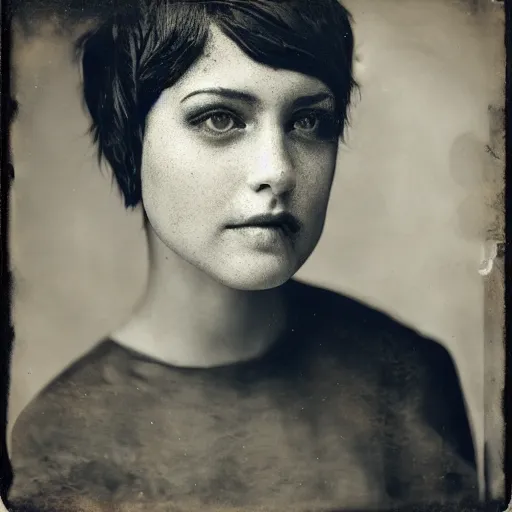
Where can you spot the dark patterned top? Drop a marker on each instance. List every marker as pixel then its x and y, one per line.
pixel 349 411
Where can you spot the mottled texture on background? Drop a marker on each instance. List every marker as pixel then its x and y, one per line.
pixel 399 235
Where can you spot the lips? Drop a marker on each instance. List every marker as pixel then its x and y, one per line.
pixel 285 221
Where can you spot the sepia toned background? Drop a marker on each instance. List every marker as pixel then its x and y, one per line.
pixel 414 214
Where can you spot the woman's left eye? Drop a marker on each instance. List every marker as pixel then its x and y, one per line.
pixel 317 125
pixel 307 123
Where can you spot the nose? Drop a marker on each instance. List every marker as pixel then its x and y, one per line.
pixel 272 166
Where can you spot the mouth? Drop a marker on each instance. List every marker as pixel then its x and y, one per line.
pixel 285 222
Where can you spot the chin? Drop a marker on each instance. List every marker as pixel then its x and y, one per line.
pixel 256 278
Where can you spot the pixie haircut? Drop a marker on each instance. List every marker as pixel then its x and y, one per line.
pixel 138 52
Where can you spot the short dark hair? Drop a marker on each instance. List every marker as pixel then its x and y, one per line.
pixel 130 58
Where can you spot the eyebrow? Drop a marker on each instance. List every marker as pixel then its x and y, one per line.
pixel 303 101
pixel 312 99
pixel 226 93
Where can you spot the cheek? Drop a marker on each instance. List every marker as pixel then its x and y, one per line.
pixel 181 181
pixel 317 170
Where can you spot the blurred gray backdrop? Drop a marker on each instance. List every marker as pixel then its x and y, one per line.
pixel 415 199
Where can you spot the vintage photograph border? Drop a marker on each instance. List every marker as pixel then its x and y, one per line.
pixel 7 114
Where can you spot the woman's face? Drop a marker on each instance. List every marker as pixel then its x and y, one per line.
pixel 238 161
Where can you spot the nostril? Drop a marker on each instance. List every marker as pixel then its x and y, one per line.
pixel 263 186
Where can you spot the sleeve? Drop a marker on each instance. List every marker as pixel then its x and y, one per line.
pixel 430 452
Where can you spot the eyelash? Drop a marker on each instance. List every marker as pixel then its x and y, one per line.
pixel 327 127
pixel 197 121
pixel 326 121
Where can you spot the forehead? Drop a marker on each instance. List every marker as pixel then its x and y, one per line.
pixel 224 64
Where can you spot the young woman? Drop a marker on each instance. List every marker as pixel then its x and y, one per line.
pixel 233 385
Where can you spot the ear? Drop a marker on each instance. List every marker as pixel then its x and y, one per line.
pixel 359 64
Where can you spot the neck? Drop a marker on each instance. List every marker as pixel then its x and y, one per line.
pixel 186 318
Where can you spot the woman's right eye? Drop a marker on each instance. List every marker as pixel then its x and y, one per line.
pixel 219 123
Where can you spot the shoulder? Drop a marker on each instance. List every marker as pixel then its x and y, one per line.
pixel 48 438
pixel 85 385
pixel 411 372
pixel 413 384
pixel 372 341
pixel 366 333
pixel 64 393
